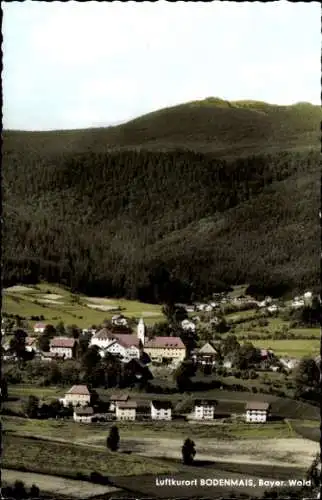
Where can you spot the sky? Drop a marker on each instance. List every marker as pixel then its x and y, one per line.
pixel 78 65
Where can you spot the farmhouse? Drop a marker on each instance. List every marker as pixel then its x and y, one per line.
pixel 126 410
pixel 83 414
pixel 257 411
pixel 115 399
pixel 63 346
pixel 204 409
pixel 161 410
pixel 206 355
pixel 39 328
pixel 78 395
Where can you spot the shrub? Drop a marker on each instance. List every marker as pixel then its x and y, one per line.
pixel 254 390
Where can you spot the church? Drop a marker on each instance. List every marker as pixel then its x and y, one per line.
pixel 161 349
pixel 130 346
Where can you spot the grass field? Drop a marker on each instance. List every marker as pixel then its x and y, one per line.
pixel 296 348
pixel 57 304
pixel 49 457
pixel 63 487
pixel 307 429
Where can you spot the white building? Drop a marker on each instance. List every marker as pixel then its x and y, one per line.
pixel 273 308
pixel 63 347
pixel 161 410
pixel 125 345
pixel 84 415
pixel 126 350
pixel 31 344
pixel 256 411
pixel 78 395
pixel 141 331
pixel 102 338
pixel 188 325
pixel 297 303
pixel 39 328
pixel 126 410
pixel 204 409
pixel 115 399
pixel 119 320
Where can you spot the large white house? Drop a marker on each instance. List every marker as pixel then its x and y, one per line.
pixel 126 410
pixel 204 409
pixel 125 345
pixel 78 395
pixel 63 347
pixel 161 410
pixel 257 411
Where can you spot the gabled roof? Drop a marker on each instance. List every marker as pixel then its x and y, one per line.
pixel 205 402
pixel 64 342
pixel 103 334
pixel 119 397
pixel 84 411
pixel 257 405
pixel 31 341
pixel 162 405
pixel 80 390
pixel 207 349
pixel 127 339
pixel 127 404
pixel 165 342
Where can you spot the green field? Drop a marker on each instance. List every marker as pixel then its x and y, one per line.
pixel 296 348
pixel 45 456
pixel 71 309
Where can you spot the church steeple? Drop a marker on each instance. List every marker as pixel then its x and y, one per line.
pixel 141 331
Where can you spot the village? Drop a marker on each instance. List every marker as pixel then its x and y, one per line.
pixel 145 355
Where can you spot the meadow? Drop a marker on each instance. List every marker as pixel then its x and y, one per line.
pixel 67 459
pixel 58 304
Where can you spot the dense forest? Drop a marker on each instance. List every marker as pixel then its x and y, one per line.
pixel 156 224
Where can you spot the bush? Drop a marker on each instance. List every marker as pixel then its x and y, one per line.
pixel 254 390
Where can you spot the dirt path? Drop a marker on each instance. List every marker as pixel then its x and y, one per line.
pixel 48 483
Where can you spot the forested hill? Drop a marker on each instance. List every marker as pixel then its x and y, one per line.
pixel 211 125
pixel 108 214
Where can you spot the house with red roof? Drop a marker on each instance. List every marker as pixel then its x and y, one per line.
pixel 39 328
pixel 165 349
pixel 126 345
pixel 63 347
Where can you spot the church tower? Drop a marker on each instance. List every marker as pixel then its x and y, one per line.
pixel 141 331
